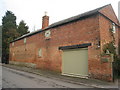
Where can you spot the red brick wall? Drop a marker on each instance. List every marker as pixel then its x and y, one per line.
pixel 70 34
pixel 83 31
pixel 109 12
pixel 45 21
pixel 106 37
pixel 105 34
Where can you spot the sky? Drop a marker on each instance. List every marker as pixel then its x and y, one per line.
pixel 31 11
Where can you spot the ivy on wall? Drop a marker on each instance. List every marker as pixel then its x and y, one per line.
pixel 109 48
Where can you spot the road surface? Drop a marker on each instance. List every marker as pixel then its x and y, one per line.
pixel 18 79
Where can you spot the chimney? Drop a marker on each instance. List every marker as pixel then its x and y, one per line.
pixel 45 21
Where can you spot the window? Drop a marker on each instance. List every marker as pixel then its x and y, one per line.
pixel 40 52
pixel 113 28
pixel 12 43
pixel 24 40
pixel 98 43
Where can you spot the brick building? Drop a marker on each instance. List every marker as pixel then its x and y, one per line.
pixel 72 46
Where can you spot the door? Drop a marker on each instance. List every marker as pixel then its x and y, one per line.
pixel 75 62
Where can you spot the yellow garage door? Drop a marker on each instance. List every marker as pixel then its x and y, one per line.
pixel 75 62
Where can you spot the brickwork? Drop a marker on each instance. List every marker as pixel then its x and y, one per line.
pixel 94 30
pixel 109 13
pixel 45 22
pixel 69 34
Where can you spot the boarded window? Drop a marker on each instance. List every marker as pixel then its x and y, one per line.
pixel 24 40
pixel 40 52
pixel 12 43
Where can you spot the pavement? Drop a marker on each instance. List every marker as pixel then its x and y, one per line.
pixel 19 79
pixel 57 76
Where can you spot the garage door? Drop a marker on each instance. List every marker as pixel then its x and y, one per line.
pixel 75 62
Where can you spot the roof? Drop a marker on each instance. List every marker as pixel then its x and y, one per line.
pixel 28 34
pixel 74 18
pixel 65 21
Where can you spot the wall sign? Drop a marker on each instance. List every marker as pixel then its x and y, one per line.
pixel 47 34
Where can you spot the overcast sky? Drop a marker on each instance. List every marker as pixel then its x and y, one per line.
pixel 31 11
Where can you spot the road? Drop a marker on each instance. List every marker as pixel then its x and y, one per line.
pixel 18 79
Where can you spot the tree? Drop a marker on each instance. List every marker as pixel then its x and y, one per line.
pixel 9 33
pixel 22 28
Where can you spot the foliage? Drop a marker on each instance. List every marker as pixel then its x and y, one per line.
pixel 112 50
pixel 109 47
pixel 10 32
pixel 22 28
pixel 116 66
pixel 9 21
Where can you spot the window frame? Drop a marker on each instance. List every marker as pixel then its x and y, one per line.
pixel 113 28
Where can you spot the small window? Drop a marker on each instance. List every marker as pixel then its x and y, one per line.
pixel 12 43
pixel 40 52
pixel 24 40
pixel 98 43
pixel 113 28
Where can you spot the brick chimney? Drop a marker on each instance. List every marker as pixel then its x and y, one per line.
pixel 45 21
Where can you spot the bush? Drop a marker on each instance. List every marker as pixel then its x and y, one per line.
pixel 110 47
pixel 116 66
pixel 116 63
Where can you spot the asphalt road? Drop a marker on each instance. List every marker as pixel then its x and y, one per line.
pixel 18 79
